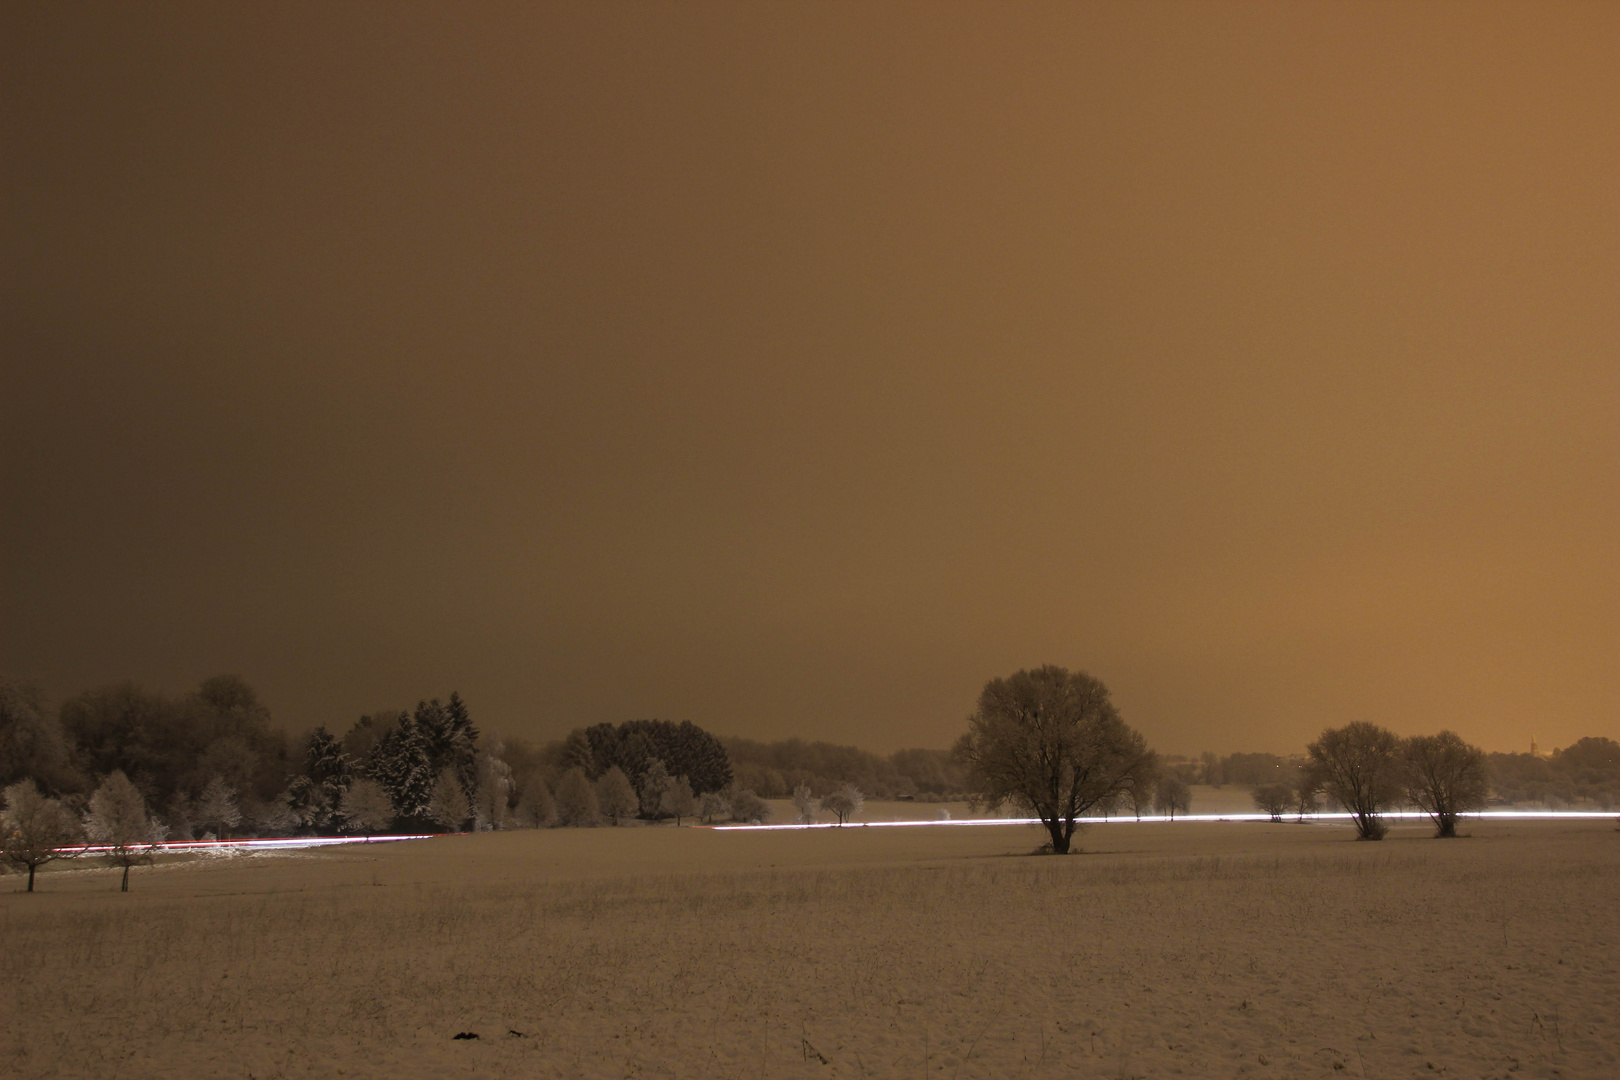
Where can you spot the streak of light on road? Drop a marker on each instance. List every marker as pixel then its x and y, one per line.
pixel 1398 815
pixel 266 844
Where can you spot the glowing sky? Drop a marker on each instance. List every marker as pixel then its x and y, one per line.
pixel 794 369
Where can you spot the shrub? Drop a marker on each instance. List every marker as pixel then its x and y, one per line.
pixel 748 807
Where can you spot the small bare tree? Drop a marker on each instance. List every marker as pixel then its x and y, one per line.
pixel 1444 777
pixel 34 829
pixel 1358 767
pixel 118 820
pixel 365 807
pixel 1274 799
pixel 616 798
pixel 1172 794
pixel 678 800
pixel 844 803
pixel 1307 793
pixel 805 805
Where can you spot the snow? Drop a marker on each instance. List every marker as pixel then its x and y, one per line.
pixel 1198 949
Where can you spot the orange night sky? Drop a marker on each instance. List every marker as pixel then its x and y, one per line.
pixel 796 368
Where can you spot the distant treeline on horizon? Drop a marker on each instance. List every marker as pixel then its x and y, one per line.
pixel 435 767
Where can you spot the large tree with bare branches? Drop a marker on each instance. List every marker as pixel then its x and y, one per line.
pixel 1445 777
pixel 1357 765
pixel 1051 742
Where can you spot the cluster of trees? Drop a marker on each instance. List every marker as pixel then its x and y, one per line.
pixel 1586 771
pixel 210 761
pixel 1369 770
pixel 776 769
pixel 647 769
pixel 1434 772
pixel 843 803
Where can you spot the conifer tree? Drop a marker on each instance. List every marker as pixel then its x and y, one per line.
pixel 403 766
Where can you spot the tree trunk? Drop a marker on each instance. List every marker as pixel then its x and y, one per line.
pixel 1060 838
pixel 125 886
pixel 30 877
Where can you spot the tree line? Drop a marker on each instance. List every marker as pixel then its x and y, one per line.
pixel 1585 773
pixel 128 770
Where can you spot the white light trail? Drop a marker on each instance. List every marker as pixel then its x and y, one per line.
pixel 1399 815
pixel 273 843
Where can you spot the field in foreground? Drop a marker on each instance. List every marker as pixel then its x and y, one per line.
pixel 1203 949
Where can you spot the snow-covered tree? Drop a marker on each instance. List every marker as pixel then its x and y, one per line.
pixel 492 791
pixel 118 819
pixel 805 805
pixel 844 803
pixel 401 763
pixel 615 797
pixel 654 783
pixel 576 799
pixel 448 805
pixel 712 805
pixel 34 829
pixel 365 807
pixel 678 800
pixel 216 808
pixel 536 809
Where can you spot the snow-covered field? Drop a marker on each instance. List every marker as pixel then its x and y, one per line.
pixel 1198 949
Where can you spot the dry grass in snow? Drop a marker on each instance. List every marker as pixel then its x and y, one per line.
pixel 1193 950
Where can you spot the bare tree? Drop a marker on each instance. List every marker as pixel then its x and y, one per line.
pixel 118 819
pixel 616 798
pixel 1139 795
pixel 1172 794
pixel 1274 799
pixel 678 800
pixel 34 829
pixel 1307 793
pixel 1444 777
pixel 1358 767
pixel 844 803
pixel 805 805
pixel 1052 742
pixel 576 799
pixel 365 807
